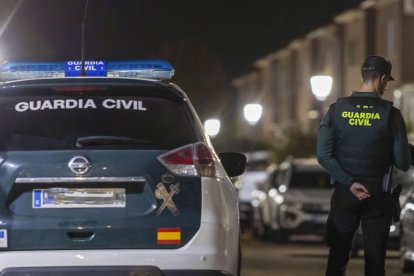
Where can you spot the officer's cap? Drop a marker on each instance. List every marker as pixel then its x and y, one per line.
pixel 378 64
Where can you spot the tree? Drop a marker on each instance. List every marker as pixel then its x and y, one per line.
pixel 200 74
pixel 293 142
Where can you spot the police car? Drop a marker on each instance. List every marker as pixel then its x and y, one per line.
pixel 105 169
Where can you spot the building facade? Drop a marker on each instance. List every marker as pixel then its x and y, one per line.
pixel 280 81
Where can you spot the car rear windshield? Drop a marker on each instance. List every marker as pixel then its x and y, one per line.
pixel 128 118
pixel 310 179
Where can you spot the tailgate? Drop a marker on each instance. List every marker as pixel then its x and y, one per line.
pixel 125 199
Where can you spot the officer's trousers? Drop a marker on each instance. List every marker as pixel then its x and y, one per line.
pixel 347 212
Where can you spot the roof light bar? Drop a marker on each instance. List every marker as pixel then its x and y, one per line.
pixel 31 70
pixel 146 69
pixel 153 69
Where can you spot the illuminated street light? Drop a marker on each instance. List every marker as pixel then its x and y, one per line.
pixel 321 86
pixel 252 113
pixel 313 114
pixel 397 98
pixel 212 127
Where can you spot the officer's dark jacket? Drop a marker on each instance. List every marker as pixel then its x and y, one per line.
pixel 363 135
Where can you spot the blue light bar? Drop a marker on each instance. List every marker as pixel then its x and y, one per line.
pixel 154 69
pixel 145 69
pixel 31 70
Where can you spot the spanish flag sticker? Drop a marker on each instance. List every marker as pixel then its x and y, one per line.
pixel 169 235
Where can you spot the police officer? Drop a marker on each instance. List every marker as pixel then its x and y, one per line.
pixel 360 138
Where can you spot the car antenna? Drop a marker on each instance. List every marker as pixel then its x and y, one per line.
pixel 83 73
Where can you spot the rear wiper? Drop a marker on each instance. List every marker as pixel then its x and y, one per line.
pixel 108 140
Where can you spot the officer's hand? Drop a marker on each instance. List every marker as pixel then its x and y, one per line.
pixel 359 191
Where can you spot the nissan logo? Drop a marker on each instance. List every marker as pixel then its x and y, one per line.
pixel 79 165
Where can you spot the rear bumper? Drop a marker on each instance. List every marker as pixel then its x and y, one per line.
pixel 212 251
pixel 106 270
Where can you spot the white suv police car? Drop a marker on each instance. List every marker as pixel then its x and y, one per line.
pixel 110 173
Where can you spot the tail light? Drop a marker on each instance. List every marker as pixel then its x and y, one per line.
pixel 192 160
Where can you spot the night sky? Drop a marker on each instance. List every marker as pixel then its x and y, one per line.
pixel 236 33
pixel 209 42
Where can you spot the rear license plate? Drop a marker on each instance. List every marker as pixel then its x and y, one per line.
pixel 319 219
pixel 79 198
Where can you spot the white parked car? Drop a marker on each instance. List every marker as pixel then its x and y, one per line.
pixel 301 200
pixel 248 182
pixel 262 205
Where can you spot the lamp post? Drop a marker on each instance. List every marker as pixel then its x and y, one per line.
pixel 321 86
pixel 212 127
pixel 252 113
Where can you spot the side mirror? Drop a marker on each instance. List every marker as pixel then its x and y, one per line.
pixel 234 163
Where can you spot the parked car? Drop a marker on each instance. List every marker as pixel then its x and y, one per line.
pixel 261 205
pixel 247 183
pixel 301 201
pixel 406 179
pixel 111 173
pixel 406 225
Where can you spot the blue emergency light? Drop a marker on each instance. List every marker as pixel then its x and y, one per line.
pixel 145 69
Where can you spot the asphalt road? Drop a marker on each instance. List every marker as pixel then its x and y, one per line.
pixel 302 256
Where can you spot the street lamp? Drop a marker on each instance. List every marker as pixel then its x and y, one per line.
pixel 212 127
pixel 321 86
pixel 252 113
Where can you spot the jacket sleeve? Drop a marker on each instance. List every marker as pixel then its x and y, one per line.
pixel 325 153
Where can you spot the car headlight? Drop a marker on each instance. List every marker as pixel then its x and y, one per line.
pixel 255 203
pixel 279 199
pixel 282 188
pixel 272 192
pixel 259 195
